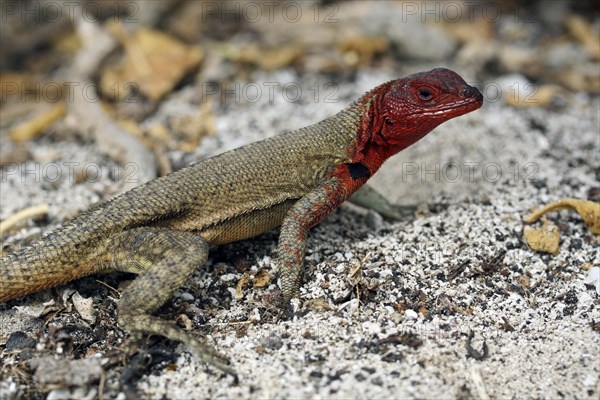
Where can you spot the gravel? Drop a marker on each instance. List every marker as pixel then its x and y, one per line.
pixel 451 304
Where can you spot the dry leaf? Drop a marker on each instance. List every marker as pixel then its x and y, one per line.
pixel 469 31
pixel 85 307
pixel 544 239
pixel 155 62
pixel 319 304
pixel 360 50
pixel 268 59
pixel 586 266
pixel 588 210
pixel 261 278
pixel 585 33
pixel 185 321
pixel 579 78
pixel 68 43
pixel 524 281
pixel 540 98
pixel 355 275
pixel 239 288
pixel 131 126
pixel 37 125
pixel 159 132
pixel 12 84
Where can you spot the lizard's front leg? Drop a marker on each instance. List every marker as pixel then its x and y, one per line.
pixel 306 212
pixel 164 260
pixel 369 198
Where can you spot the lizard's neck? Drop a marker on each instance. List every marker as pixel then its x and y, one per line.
pixel 371 148
pixel 373 145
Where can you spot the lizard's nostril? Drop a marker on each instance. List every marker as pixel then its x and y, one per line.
pixel 468 92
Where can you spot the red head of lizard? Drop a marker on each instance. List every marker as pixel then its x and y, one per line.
pixel 400 112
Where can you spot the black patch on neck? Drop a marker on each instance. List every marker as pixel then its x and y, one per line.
pixel 358 170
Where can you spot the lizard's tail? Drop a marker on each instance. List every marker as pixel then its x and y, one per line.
pixel 59 257
pixel 79 247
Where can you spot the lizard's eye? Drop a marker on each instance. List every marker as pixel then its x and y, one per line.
pixel 425 93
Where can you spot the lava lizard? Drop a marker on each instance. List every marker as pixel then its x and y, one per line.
pixel 162 230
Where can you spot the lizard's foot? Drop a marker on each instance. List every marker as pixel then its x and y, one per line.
pixel 366 196
pixel 164 260
pixel 289 311
pixel 290 308
pixel 154 326
pixel 304 214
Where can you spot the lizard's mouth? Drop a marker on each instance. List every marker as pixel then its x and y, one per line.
pixel 457 108
pixel 473 100
pixel 462 107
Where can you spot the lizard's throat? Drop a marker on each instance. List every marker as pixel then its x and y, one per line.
pixel 377 148
pixel 374 155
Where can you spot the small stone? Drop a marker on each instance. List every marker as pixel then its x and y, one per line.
pixel 593 278
pixel 377 381
pixel 19 340
pixel 51 372
pixel 85 307
pixel 562 55
pixel 187 296
pixel 374 220
pixel 316 374
pixel 272 342
pixel 515 58
pixel 372 327
pixel 411 314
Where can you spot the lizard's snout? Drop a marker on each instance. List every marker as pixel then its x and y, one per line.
pixel 470 92
pixel 472 95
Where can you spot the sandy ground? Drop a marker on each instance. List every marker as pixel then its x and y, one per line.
pixel 450 304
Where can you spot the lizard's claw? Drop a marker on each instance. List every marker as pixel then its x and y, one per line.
pixel 211 356
pixel 227 368
pixel 289 311
pixel 291 308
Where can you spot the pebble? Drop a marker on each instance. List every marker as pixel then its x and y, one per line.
pixel 593 278
pixel 187 296
pixel 411 314
pixel 562 55
pixel 373 328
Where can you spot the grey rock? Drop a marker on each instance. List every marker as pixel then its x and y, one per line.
pixel 56 373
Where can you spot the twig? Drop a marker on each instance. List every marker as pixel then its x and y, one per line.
pixel 22 215
pixel 89 117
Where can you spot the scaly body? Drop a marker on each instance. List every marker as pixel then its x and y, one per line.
pixel 161 230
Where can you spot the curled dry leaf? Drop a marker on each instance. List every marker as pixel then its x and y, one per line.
pixel 155 62
pixel 188 130
pixel 524 281
pixel 37 125
pixel 588 210
pixel 545 239
pixel 261 278
pixel 239 288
